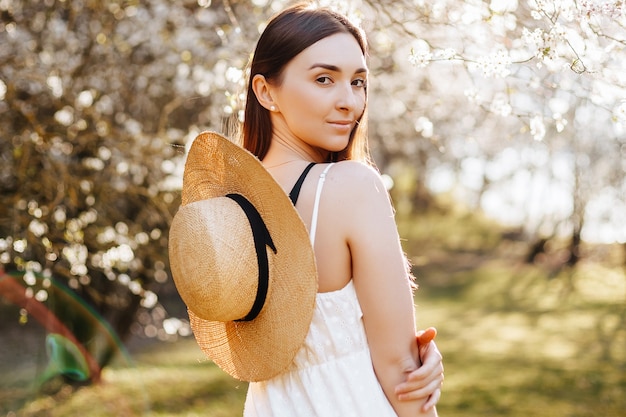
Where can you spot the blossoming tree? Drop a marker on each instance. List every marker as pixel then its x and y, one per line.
pixel 529 96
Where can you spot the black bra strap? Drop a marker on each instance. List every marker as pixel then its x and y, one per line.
pixel 295 191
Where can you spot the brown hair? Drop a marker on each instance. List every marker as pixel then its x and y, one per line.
pixel 285 36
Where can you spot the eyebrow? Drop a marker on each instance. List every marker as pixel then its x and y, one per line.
pixel 335 68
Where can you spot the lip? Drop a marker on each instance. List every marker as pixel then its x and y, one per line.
pixel 341 124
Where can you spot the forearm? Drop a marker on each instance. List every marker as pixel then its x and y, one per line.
pixel 390 373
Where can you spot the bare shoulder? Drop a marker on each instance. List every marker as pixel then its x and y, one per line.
pixel 358 191
pixel 355 168
pixel 354 177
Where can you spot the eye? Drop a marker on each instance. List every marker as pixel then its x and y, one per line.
pixel 323 80
pixel 359 82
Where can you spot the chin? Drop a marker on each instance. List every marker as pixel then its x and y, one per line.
pixel 339 146
pixel 328 151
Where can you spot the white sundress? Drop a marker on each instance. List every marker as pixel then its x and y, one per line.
pixel 332 373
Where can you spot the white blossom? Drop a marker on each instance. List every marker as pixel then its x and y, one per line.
pixel 41 295
pixel 420 59
pixel 65 116
pixel 559 121
pixel 500 105
pixel 29 278
pixel 84 99
pixel 20 245
pixel 537 128
pixel 234 75
pixel 544 45
pixel 536 15
pixel 75 254
pixel 424 126
pixel 614 9
pixel 496 64
pixel 37 228
pixel 56 85
pixel 472 94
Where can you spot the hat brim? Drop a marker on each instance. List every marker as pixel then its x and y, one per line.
pixel 264 347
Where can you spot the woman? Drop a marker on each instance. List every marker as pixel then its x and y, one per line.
pixel 306 109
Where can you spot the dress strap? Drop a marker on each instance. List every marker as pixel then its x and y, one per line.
pixel 318 193
pixel 295 191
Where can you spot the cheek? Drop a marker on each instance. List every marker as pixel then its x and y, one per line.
pixel 299 100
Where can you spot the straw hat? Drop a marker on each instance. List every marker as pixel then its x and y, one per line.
pixel 221 268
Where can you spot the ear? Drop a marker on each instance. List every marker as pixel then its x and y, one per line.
pixel 263 92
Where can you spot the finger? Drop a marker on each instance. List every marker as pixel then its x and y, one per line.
pixel 431 376
pixel 429 353
pixel 432 400
pixel 419 394
pixel 428 370
pixel 425 390
pixel 432 363
pixel 416 381
pixel 424 337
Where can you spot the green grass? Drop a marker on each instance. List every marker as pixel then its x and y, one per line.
pixel 168 379
pixel 508 352
pixel 516 350
pixel 518 340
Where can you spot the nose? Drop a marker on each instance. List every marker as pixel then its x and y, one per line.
pixel 347 98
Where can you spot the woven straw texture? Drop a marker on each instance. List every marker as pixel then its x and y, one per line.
pixel 212 253
pixel 203 254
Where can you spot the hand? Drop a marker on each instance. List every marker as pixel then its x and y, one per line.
pixel 425 381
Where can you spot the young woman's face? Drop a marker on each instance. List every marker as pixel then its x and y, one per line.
pixel 322 94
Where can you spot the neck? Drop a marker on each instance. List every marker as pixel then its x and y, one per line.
pixel 283 150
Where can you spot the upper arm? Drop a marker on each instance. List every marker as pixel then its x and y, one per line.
pixel 379 267
pixel 380 275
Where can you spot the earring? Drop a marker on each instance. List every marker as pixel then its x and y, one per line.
pixel 272 108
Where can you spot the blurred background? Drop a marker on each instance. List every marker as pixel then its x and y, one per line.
pixel 500 127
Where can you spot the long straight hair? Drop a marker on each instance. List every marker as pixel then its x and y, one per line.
pixel 285 36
